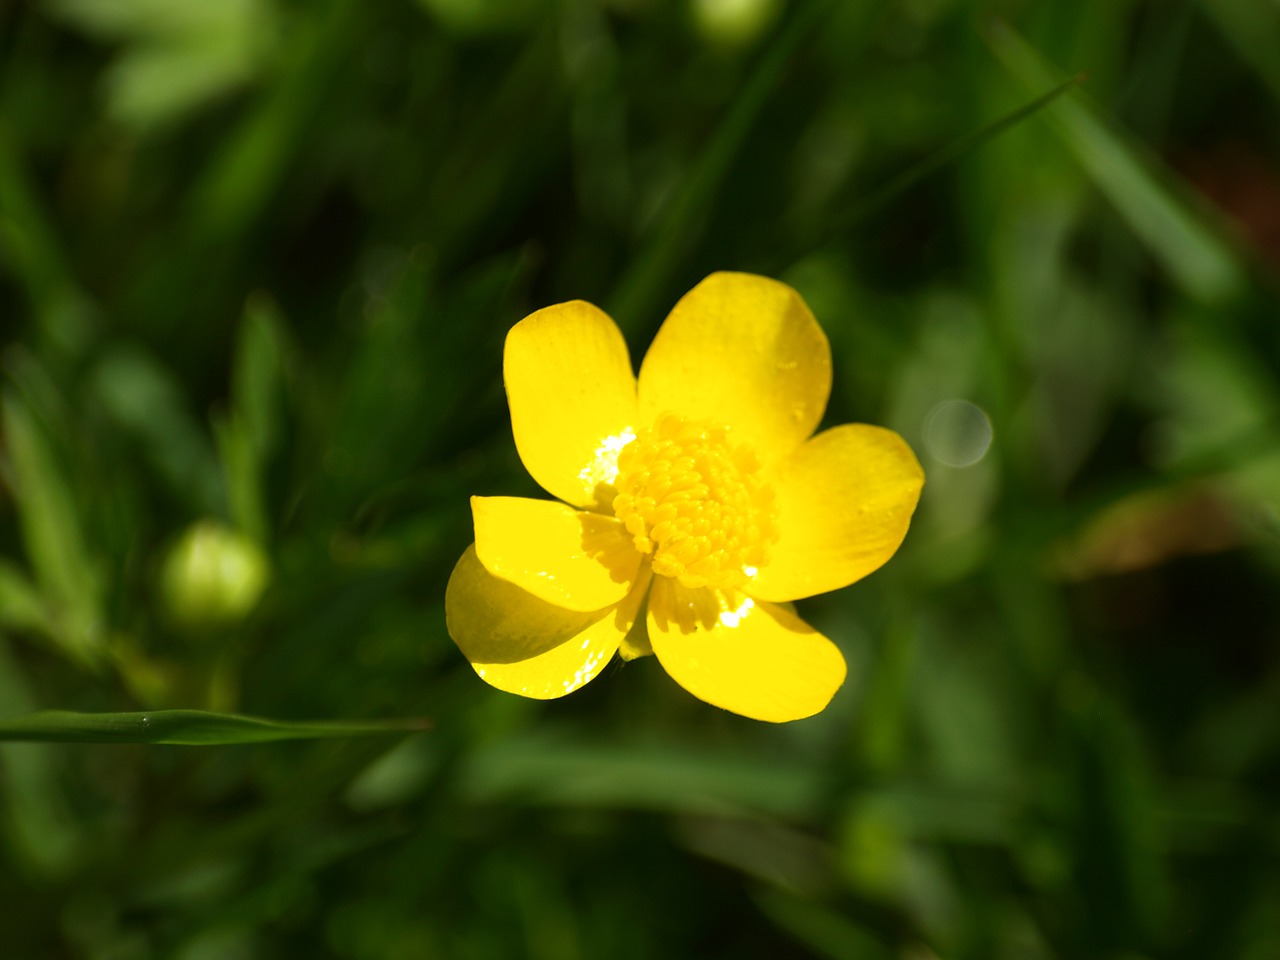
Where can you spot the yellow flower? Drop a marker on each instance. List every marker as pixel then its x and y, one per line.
pixel 694 504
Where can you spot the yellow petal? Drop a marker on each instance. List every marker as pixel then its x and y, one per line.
pixel 845 500
pixel 743 352
pixel 524 645
pixel 573 398
pixel 753 658
pixel 570 558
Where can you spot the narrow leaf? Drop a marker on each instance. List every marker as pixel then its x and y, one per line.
pixel 1255 32
pixel 644 283
pixel 21 606
pixel 51 529
pixel 148 402
pixel 258 372
pixel 946 155
pixel 186 727
pixel 247 434
pixel 1197 259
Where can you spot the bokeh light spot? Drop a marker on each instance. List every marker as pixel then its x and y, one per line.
pixel 957 433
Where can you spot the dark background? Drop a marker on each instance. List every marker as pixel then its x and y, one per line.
pixel 257 259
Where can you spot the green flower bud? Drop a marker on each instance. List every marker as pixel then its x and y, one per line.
pixel 733 23
pixel 213 576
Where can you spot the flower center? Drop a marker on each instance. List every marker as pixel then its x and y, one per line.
pixel 695 501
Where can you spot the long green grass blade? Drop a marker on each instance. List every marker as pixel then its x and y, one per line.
pixel 240 176
pixel 247 434
pixel 1188 248
pixel 29 248
pixel 53 532
pixel 21 605
pixel 1254 31
pixel 944 156
pixel 642 287
pixel 829 933
pixel 186 727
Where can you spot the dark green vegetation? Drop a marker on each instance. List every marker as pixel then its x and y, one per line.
pixel 257 258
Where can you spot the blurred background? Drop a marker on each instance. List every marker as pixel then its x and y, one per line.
pixel 257 258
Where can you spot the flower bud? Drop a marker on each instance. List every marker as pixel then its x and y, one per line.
pixel 213 576
pixel 733 23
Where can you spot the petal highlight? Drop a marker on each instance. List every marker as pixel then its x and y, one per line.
pixel 752 658
pixel 845 501
pixel 743 352
pixel 524 645
pixel 571 558
pixel 572 395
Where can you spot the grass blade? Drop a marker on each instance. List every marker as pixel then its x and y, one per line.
pixel 186 727
pixel 643 286
pixel 1254 31
pixel 67 574
pixel 29 246
pixel 1196 259
pixel 948 154
pixel 21 606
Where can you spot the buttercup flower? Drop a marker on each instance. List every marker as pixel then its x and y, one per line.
pixel 693 505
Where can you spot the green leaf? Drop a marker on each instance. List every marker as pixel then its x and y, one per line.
pixel 30 252
pixel 242 473
pixel 1255 32
pixel 52 532
pixel 21 605
pixel 827 932
pixel 239 178
pixel 945 156
pixel 1196 258
pixel 640 290
pixel 186 727
pixel 258 374
pixel 247 434
pixel 146 400
pixel 175 56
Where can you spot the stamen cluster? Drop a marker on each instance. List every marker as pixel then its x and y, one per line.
pixel 695 501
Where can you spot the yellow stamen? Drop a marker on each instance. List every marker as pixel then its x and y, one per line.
pixel 695 501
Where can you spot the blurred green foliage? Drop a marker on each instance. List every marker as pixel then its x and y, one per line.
pixel 256 262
